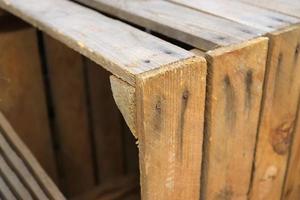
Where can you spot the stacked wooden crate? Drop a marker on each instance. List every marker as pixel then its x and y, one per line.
pixel 217 122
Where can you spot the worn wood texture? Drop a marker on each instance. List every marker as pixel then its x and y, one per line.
pixel 170 143
pixel 98 37
pixel 235 78
pixel 240 12
pixel 71 120
pixel 281 96
pixel 196 28
pixel 20 171
pixel 292 183
pixel 22 97
pixel 289 7
pixel 106 124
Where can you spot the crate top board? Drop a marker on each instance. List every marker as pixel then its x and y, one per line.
pixel 203 24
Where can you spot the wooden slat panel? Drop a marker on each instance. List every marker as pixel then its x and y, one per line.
pixel 171 102
pixel 20 169
pixel 232 113
pixel 5 191
pixel 198 29
pixel 120 48
pixel 22 96
pixel 242 13
pixel 289 7
pixel 71 120
pixel 107 127
pixel 15 184
pixel 29 161
pixel 292 182
pixel 282 88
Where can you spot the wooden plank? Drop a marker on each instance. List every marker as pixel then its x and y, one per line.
pixel 282 88
pixel 107 137
pixel 236 77
pixel 292 183
pixel 20 169
pixel 289 7
pixel 19 189
pixel 171 101
pixel 120 48
pixel 5 192
pixel 71 119
pixel 22 97
pixel 198 29
pixel 250 15
pixel 29 160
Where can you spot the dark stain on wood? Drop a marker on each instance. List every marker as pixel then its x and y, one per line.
pixel 184 101
pixel 157 118
pixel 278 73
pixel 248 87
pixel 295 65
pixel 230 99
pixel 225 194
pixel 280 137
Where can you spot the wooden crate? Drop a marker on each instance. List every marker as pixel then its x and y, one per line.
pixel 215 120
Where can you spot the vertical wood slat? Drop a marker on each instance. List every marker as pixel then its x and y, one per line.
pixel 235 78
pixel 71 121
pixel 292 183
pixel 22 97
pixel 170 142
pixel 107 124
pixel 281 96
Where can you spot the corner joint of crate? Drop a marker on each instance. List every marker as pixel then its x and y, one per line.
pixel 124 96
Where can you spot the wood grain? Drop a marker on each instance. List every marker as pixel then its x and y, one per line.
pixel 196 28
pixel 171 101
pixel 281 94
pixel 236 77
pixel 289 7
pixel 71 120
pixel 240 12
pixel 292 183
pixel 119 48
pixel 22 97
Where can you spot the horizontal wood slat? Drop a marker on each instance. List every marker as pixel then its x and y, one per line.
pixel 120 48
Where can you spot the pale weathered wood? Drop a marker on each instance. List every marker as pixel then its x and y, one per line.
pixel 124 95
pixel 236 77
pixel 25 159
pixel 170 115
pixel 71 119
pixel 120 48
pixel 22 96
pixel 198 29
pixel 106 124
pixel 281 93
pixel 252 16
pixel 289 7
pixel 292 183
pixel 5 191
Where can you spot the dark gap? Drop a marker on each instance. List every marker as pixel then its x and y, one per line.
pixel 2 197
pixel 90 120
pixel 206 132
pixel 123 138
pixel 290 149
pixel 161 36
pixel 50 107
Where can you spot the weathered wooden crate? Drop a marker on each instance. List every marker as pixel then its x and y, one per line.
pixel 214 120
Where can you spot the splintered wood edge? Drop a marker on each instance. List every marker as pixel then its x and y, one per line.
pixel 125 94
